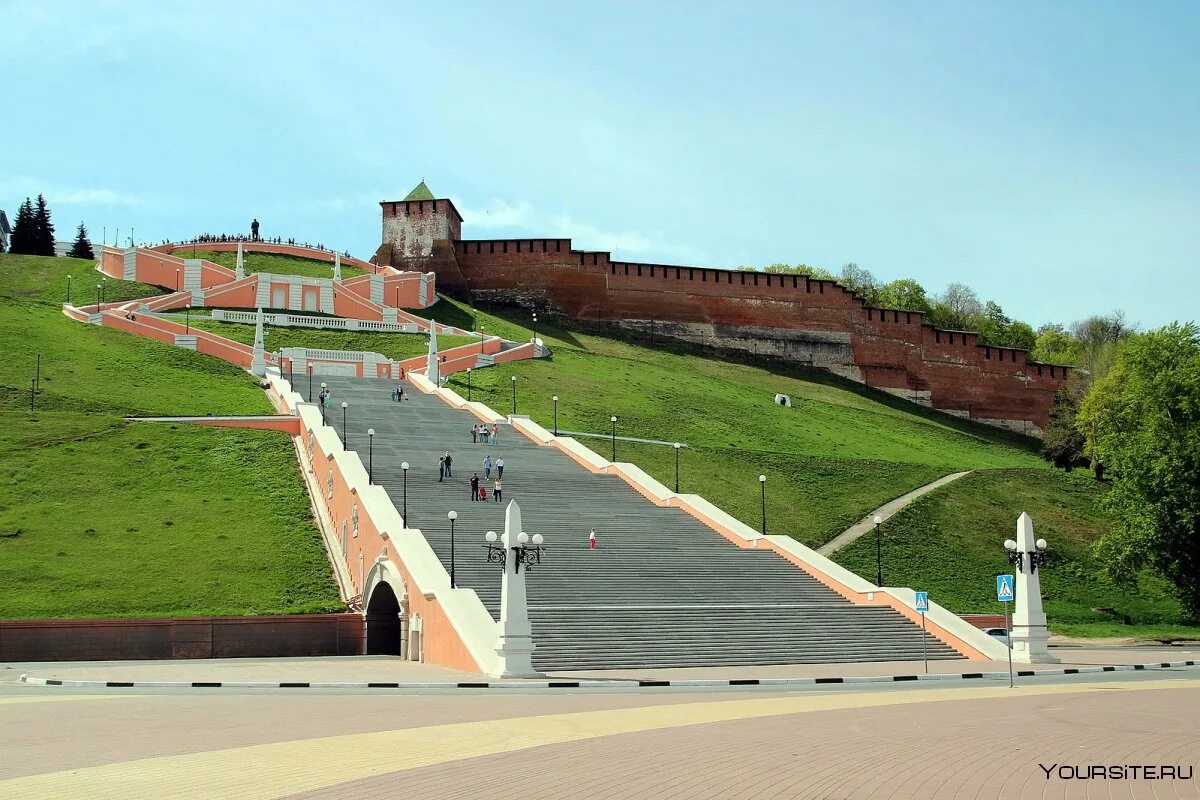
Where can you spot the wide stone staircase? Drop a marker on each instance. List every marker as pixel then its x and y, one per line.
pixel 661 589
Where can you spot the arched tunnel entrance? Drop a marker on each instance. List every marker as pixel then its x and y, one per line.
pixel 383 622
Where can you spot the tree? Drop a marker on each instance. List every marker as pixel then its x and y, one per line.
pixel 1142 423
pixel 956 307
pixel 905 294
pixel 816 273
pixel 1062 442
pixel 22 234
pixel 43 229
pixel 82 247
pixel 1053 345
pixel 860 281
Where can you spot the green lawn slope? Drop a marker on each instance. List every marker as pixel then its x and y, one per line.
pixel 100 517
pixel 832 457
pixel 950 543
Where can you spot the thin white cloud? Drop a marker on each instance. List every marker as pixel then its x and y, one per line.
pixel 20 188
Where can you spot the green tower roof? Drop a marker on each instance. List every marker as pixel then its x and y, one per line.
pixel 420 193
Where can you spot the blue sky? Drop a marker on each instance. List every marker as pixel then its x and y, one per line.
pixel 1046 154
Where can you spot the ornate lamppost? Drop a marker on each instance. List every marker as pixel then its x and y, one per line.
pixel 468 384
pixel 555 399
pixel 345 441
pixel 762 482
pixel 68 290
pixel 522 552
pixel 677 445
pixel 404 470
pixel 453 515
pixel 370 455
pixel 514 388
pixel 613 420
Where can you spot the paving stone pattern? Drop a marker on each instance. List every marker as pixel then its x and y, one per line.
pixel 660 590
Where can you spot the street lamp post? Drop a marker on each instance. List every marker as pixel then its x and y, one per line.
pixel 677 446
pixel 514 385
pixel 481 339
pixel 177 280
pixel 103 286
pixel 187 318
pixel 613 420
pixel 762 482
pixel 370 455
pixel 404 471
pixel 878 550
pixel 345 442
pixel 468 384
pixel 321 403
pixel 555 399
pixel 97 298
pixel 68 290
pixel 310 372
pixel 535 346
pixel 32 391
pixel 453 515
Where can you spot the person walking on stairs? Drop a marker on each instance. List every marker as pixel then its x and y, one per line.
pixel 500 467
pixel 474 487
pixel 474 434
pixel 441 468
pixel 496 489
pixel 487 467
pixel 592 540
pixel 495 434
pixel 449 461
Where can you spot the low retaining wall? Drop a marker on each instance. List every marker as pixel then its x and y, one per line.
pixel 184 637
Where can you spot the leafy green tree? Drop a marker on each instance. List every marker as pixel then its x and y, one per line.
pixel 83 246
pixel 23 230
pixel 1062 442
pixel 1053 345
pixel 860 281
pixel 43 229
pixel 816 273
pixel 905 294
pixel 1142 423
pixel 956 308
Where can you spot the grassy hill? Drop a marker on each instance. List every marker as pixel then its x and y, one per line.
pixel 838 453
pixel 272 262
pixel 950 543
pixel 832 457
pixel 100 517
pixel 398 346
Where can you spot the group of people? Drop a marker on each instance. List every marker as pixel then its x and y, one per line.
pixel 398 393
pixel 479 491
pixel 482 434
pixel 217 238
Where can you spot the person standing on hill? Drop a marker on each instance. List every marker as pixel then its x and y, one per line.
pixel 474 487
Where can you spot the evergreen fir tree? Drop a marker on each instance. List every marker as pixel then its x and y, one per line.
pixel 43 229
pixel 83 246
pixel 23 230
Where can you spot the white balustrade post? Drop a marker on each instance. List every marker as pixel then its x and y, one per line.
pixel 514 644
pixel 258 361
pixel 1029 634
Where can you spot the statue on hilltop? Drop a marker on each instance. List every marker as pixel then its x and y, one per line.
pixel 254 231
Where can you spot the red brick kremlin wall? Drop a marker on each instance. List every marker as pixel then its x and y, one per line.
pixel 810 321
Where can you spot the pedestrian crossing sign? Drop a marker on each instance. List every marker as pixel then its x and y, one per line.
pixel 1004 588
pixel 922 604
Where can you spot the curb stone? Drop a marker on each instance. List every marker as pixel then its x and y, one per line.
pixel 602 684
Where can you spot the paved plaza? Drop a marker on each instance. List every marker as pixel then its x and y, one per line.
pixel 870 741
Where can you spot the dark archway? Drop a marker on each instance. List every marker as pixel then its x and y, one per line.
pixel 383 622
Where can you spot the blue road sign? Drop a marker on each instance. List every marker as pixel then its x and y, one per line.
pixel 1004 588
pixel 922 601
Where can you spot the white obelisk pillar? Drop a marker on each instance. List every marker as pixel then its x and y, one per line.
pixel 239 271
pixel 432 367
pixel 514 644
pixel 337 267
pixel 1029 634
pixel 258 361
